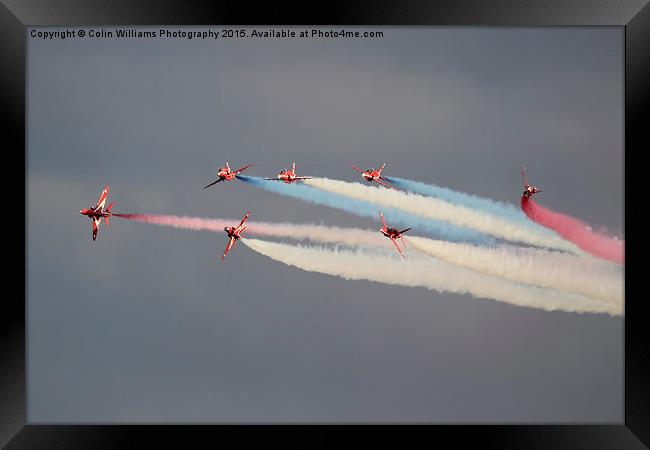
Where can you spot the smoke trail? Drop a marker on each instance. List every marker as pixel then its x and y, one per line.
pixel 425 272
pixel 591 277
pixel 436 209
pixel 350 237
pixel 440 229
pixel 561 271
pixel 506 210
pixel 574 230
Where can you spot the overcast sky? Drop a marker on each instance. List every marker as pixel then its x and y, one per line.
pixel 147 325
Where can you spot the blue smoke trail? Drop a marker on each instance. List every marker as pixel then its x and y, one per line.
pixel 496 208
pixel 439 229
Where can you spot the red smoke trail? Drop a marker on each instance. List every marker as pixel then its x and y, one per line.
pixel 575 231
pixel 203 224
pixel 190 223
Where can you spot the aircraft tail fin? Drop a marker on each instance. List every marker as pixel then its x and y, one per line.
pixel 108 210
pixel 382 168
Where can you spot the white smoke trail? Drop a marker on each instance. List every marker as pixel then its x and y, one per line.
pixel 589 276
pixel 561 271
pixel 437 209
pixel 425 272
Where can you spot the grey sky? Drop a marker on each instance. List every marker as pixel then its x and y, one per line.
pixel 146 325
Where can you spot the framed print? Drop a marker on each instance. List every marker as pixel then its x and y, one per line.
pixel 372 214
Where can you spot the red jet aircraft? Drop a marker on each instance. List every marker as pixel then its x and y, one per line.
pixel 529 190
pixel 392 234
pixel 374 175
pixel 289 175
pixel 224 173
pixel 234 234
pixel 97 212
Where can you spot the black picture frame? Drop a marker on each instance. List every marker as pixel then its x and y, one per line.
pixel 634 16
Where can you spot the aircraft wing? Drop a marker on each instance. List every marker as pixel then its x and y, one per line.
pixel 102 198
pixel 397 247
pixel 383 222
pixel 272 179
pixel 96 222
pixel 243 221
pixel 228 247
pixel 357 169
pixel 384 183
pixel 242 169
pixel 302 178
pixel 214 182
